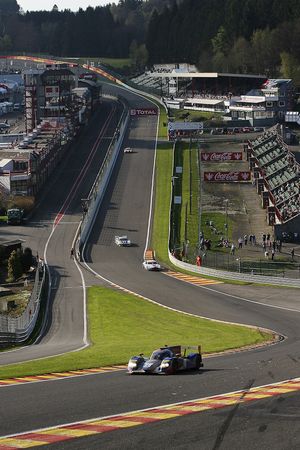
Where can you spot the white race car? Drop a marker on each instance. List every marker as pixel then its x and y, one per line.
pixel 128 150
pixel 151 264
pixel 122 241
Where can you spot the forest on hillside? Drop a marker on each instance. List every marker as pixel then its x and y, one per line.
pixel 248 36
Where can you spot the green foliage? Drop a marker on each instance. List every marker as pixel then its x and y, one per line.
pixel 290 67
pixel 5 43
pixel 14 268
pixel 241 36
pixel 138 55
pixel 9 6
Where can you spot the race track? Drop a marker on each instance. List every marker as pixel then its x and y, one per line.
pixel 267 423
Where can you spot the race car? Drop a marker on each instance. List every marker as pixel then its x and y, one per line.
pixel 128 150
pixel 151 264
pixel 122 241
pixel 167 360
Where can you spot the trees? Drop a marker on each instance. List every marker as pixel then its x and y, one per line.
pixel 138 55
pixel 14 268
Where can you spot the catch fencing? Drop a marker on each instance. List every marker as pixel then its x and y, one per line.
pixel 18 329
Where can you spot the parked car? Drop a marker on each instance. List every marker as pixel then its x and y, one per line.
pixel 167 360
pixel 4 126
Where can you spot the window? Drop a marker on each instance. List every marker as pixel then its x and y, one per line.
pixel 281 103
pixel 269 104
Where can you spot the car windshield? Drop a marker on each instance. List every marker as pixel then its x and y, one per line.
pixel 161 354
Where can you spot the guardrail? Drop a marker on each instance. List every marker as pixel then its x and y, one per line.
pixel 18 329
pixel 216 273
pixel 261 279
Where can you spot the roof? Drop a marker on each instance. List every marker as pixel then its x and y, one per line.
pixel 204 101
pixel 3 162
pixel 252 99
pixel 12 242
pixel 203 75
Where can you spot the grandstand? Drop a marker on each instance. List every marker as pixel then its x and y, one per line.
pixel 276 170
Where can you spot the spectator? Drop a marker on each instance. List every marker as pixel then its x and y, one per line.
pixel 232 249
pixel 240 242
pixel 272 254
pixel 245 239
pixel 293 254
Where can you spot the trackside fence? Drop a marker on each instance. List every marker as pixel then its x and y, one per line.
pixel 14 330
pixel 225 266
pixel 227 275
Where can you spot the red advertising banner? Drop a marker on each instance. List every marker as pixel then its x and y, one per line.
pixel 227 177
pixel 221 156
pixel 141 112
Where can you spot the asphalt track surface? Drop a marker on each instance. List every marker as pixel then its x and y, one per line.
pixel 264 424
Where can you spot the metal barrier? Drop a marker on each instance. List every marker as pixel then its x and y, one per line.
pixel 235 263
pixel 17 330
pixel 252 278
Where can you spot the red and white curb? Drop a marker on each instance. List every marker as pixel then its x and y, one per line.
pixel 132 419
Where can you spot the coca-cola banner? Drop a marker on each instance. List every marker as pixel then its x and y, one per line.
pixel 227 177
pixel 221 156
pixel 144 112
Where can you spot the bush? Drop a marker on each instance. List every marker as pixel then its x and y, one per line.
pixel 14 269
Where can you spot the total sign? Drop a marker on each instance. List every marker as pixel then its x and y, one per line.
pixel 142 112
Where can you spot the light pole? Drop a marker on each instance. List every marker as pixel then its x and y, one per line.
pixel 199 194
pixel 226 219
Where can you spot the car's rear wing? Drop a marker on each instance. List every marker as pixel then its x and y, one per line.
pixel 187 349
pixel 183 350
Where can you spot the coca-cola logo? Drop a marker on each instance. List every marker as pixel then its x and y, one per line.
pixel 226 176
pixel 221 156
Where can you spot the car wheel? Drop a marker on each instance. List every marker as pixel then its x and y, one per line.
pixel 173 368
pixel 197 362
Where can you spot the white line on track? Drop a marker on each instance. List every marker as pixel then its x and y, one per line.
pixel 168 405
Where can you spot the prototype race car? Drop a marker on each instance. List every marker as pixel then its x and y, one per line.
pixel 128 150
pixel 122 241
pixel 151 264
pixel 167 360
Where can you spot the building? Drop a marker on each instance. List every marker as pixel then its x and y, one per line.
pixel 276 175
pixel 55 110
pixel 265 106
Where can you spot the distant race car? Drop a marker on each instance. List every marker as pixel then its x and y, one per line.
pixel 122 241
pixel 151 264
pixel 128 150
pixel 167 360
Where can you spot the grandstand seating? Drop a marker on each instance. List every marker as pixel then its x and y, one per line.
pixel 280 171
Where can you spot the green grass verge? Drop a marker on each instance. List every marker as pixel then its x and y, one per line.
pixel 3 219
pixel 121 325
pixel 196 116
pixel 163 174
pixel 116 63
